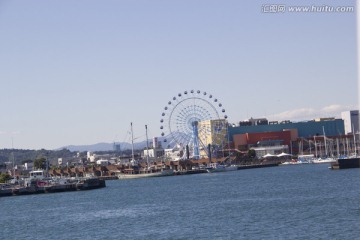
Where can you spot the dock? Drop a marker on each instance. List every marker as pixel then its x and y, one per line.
pixel 187 172
pixel 38 187
pixel 243 167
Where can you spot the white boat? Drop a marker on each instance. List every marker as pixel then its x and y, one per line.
pixel 133 174
pixel 308 158
pixel 231 168
pixel 325 160
pixel 163 173
pixel 293 162
pixel 38 174
pixel 216 167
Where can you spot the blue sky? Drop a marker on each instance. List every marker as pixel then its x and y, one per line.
pixel 78 72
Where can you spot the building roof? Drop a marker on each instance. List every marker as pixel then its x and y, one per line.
pixel 305 129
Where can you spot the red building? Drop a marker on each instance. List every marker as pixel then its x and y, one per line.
pixel 246 140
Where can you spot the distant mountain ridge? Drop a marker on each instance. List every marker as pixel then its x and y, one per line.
pixel 103 146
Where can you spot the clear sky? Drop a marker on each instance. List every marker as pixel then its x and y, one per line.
pixel 78 72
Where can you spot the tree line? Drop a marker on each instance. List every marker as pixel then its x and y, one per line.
pixel 21 156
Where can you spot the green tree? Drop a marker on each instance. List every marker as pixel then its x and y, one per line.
pixel 4 177
pixel 40 163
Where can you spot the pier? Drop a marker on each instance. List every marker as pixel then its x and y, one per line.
pixel 243 167
pixel 38 187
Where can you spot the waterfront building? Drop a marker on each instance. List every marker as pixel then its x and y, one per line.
pixel 247 141
pixel 351 121
pixel 103 162
pixel 273 137
pixel 273 150
pixel 291 137
pixel 28 166
pixel 153 153
pixel 212 132
pixel 254 122
pixel 173 154
pixel 90 156
pixel 155 143
pixel 306 129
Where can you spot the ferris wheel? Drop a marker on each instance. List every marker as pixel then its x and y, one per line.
pixel 193 121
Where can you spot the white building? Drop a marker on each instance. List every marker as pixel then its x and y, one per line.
pixel 351 121
pixel 273 150
pixel 91 157
pixel 29 166
pixel 103 162
pixel 173 154
pixel 154 153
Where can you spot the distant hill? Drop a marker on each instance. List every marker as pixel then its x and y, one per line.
pixel 104 147
pixel 96 147
pixel 108 146
pixel 20 155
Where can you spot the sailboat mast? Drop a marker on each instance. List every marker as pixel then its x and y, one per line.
pixel 147 147
pixel 132 143
pixel 315 147
pixel 326 154
pixel 228 136
pixel 354 140
pixel 13 156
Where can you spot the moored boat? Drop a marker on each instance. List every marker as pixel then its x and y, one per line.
pixel 231 168
pixel 216 167
pixel 292 162
pixel 324 160
pixel 133 175
pixel 345 163
pixel 134 172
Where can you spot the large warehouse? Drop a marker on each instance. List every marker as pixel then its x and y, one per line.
pixel 281 136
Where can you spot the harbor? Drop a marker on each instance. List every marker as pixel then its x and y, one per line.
pixel 207 146
pixel 180 120
pixel 208 143
pixel 37 183
pixel 78 179
pixel 261 199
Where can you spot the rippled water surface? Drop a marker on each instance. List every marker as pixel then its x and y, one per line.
pixel 287 202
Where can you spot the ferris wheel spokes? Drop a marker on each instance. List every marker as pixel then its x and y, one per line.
pixel 188 120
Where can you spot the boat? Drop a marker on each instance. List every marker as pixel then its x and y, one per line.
pixel 37 174
pixel 215 167
pixel 133 172
pixel 162 173
pixel 221 168
pixel 293 162
pixel 327 159
pixel 324 160
pixel 37 182
pixel 346 162
pixel 231 168
pixel 307 158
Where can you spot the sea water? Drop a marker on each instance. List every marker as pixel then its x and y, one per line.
pixel 285 202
